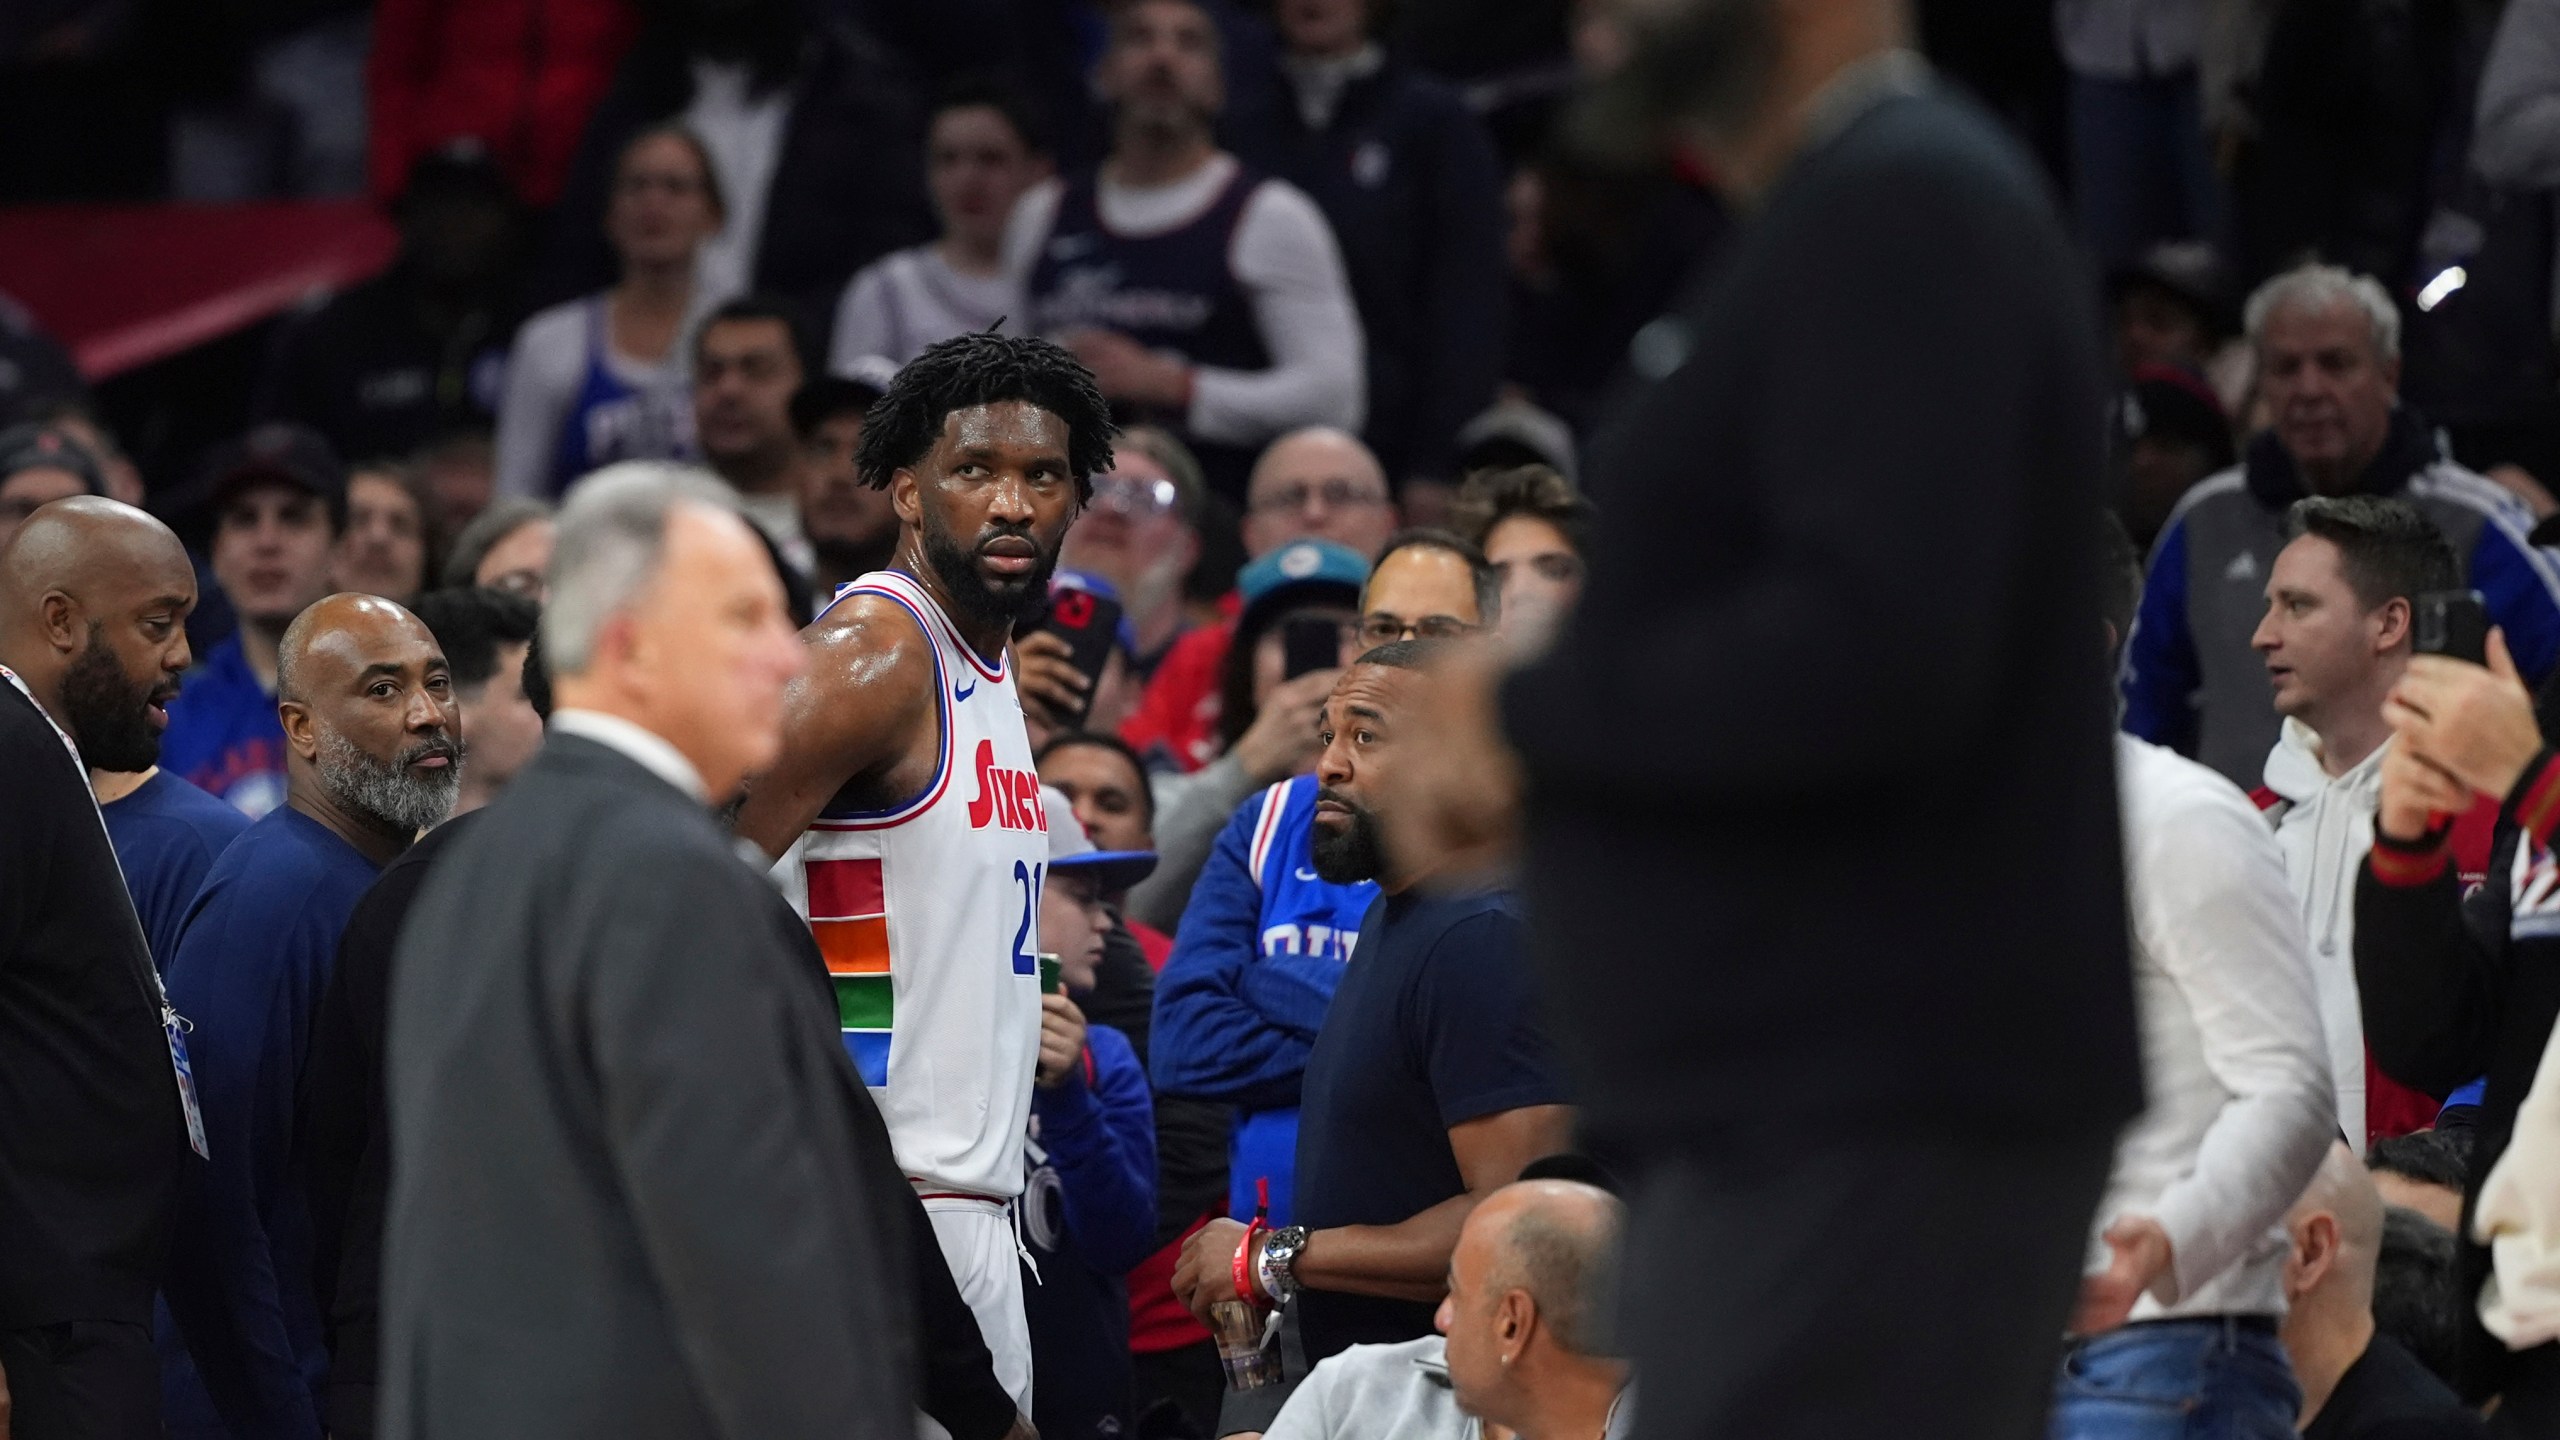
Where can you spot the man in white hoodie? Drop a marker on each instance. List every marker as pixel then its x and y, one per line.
pixel 2184 1286
pixel 2336 638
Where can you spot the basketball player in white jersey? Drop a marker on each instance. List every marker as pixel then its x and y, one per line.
pixel 905 811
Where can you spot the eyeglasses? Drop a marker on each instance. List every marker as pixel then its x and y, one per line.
pixel 1336 495
pixel 1134 496
pixel 1387 629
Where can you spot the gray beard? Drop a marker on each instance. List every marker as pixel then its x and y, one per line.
pixel 399 797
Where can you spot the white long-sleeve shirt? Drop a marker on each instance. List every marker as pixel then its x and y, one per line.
pixel 2236 1073
pixel 1291 270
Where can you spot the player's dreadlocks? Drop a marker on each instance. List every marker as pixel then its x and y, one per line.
pixel 982 368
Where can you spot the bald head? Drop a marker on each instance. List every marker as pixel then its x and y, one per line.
pixel 83 546
pixel 1318 483
pixel 2342 1194
pixel 1557 1240
pixel 2344 1188
pixel 369 714
pixel 343 630
pixel 94 598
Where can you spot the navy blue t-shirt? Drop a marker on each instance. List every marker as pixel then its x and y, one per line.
pixel 257 951
pixel 1436 1024
pixel 166 834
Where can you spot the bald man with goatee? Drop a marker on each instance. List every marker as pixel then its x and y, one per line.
pixel 373 756
pixel 94 598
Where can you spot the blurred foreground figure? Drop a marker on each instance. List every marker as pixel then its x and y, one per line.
pixel 629 1193
pixel 1788 618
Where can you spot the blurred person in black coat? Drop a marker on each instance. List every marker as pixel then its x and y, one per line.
pixel 1795 619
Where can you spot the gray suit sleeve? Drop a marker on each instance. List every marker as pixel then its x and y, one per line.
pixel 738 1171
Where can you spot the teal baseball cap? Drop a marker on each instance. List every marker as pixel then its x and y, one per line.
pixel 1299 572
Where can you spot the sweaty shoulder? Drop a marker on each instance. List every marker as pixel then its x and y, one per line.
pixel 873 646
pixel 863 710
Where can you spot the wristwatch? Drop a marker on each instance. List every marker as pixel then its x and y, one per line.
pixel 1277 1267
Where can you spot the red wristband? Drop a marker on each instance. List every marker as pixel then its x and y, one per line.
pixel 1244 1264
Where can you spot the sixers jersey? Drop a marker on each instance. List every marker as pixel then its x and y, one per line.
pixel 1302 913
pixel 928 915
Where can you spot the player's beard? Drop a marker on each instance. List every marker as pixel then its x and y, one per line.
pixel 1354 853
pixel 391 792
pixel 978 596
pixel 108 711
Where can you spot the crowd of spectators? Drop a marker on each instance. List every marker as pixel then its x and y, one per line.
pixel 1353 304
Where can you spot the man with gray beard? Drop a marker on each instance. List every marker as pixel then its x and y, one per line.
pixel 374 756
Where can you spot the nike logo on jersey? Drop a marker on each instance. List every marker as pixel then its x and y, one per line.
pixel 1006 799
pixel 958 694
pixel 1307 875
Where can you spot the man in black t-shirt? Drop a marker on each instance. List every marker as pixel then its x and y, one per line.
pixel 94 598
pixel 1431 1083
pixel 2356 1385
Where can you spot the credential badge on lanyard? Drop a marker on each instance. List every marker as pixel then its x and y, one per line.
pixel 173 1026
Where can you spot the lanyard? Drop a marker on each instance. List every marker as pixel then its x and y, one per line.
pixel 70 747
pixel 173 1026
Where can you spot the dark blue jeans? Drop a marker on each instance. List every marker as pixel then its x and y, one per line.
pixel 2216 1379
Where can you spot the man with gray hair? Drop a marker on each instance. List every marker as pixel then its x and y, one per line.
pixel 2328 352
pixel 373 755
pixel 629 1188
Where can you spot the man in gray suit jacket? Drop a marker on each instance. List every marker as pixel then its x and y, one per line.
pixel 627 1194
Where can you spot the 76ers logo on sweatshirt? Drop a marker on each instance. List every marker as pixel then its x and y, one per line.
pixel 1006 799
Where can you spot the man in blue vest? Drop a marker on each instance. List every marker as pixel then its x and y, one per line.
pixel 1204 296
